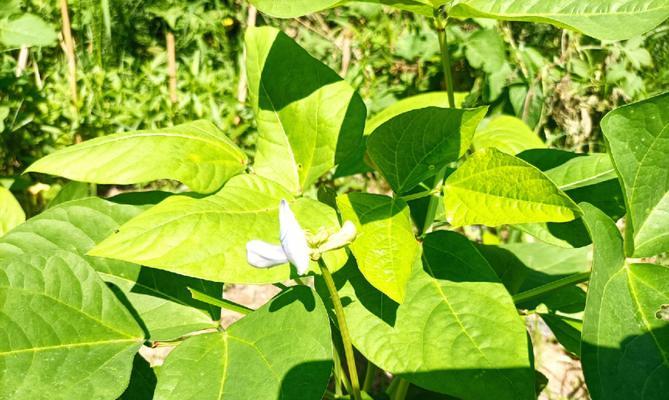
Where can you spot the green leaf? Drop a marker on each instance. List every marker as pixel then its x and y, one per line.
pixel 457 331
pixel 583 171
pixel 485 49
pixel 64 332
pixel 415 145
pixel 292 8
pixel 71 191
pixel 625 348
pixel 526 266
pixel 309 119
pixel 431 99
pixel 386 248
pixel 638 136
pixel 195 153
pixel 493 188
pixel 11 213
pixel 507 134
pixel 27 30
pixel 603 19
pixel 567 330
pixel 160 299
pixel 206 238
pixel 281 351
pixel 142 381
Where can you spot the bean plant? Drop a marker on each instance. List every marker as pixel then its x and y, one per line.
pixel 400 282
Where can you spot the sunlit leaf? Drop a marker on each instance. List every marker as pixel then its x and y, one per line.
pixel 638 136
pixel 63 331
pixel 386 248
pixel 195 153
pixel 206 238
pixel 281 351
pixel 508 134
pixel 11 213
pixel 493 188
pixel 602 19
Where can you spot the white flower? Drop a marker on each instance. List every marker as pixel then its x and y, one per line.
pixel 294 247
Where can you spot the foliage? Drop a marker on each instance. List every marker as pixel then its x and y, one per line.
pixel 400 276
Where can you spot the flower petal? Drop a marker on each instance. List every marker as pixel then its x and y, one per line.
pixel 264 255
pixel 293 240
pixel 341 238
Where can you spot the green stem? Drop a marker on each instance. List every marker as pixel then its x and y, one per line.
pixel 343 329
pixel 419 195
pixel 542 290
pixel 370 374
pixel 400 392
pixel 223 303
pixel 445 58
pixel 446 65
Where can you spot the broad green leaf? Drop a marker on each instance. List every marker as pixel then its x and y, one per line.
pixel 63 331
pixel 11 213
pixel 386 248
pixel 583 171
pixel 457 331
pixel 71 191
pixel 160 299
pixel 507 134
pixel 601 19
pixel 195 153
pixel 142 381
pixel 567 330
pixel 526 266
pixel 415 145
pixel 638 136
pixel 625 348
pixel 493 188
pixel 432 99
pixel 281 351
pixel 206 238
pixel 485 49
pixel 581 176
pixel 27 30
pixel 292 8
pixel 309 119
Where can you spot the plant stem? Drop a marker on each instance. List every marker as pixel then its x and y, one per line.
pixel 446 65
pixel 400 392
pixel 445 58
pixel 542 290
pixel 419 195
pixel 369 377
pixel 223 303
pixel 343 329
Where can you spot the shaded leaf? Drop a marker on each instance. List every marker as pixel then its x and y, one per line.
pixel 415 145
pixel 624 350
